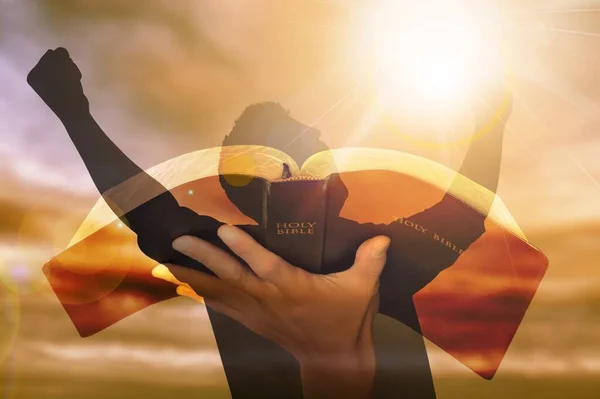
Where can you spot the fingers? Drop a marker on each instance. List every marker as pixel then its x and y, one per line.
pixel 163 273
pixel 64 54
pixel 183 289
pixel 218 297
pixel 196 283
pixel 59 53
pixel 370 259
pixel 216 294
pixel 263 262
pixel 218 261
pixel 53 62
pixel 228 311
pixel 62 51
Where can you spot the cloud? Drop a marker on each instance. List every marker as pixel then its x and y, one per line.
pixel 164 79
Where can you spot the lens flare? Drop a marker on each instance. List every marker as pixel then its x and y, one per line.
pixel 432 52
pixel 244 166
pixel 9 319
pixel 429 64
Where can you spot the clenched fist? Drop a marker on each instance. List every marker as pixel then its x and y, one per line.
pixel 57 80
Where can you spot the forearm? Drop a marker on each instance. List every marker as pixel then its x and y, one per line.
pixel 140 201
pixel 109 167
pixel 484 157
pixel 107 164
pixel 127 189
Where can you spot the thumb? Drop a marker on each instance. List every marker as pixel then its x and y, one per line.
pixel 370 259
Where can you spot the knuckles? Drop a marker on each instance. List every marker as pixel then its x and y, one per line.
pixel 50 62
pixel 271 265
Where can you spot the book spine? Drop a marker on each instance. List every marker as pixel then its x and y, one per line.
pixel 294 213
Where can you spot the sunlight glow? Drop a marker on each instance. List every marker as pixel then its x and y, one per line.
pixel 432 52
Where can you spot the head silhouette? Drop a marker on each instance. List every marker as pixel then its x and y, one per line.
pixel 269 124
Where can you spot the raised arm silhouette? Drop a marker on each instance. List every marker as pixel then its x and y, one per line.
pixel 159 220
pixel 254 366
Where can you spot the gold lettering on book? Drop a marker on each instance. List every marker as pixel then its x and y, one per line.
pixel 296 228
pixel 435 236
pixel 448 244
pixel 410 224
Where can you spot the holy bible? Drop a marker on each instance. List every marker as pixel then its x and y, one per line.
pixel 457 257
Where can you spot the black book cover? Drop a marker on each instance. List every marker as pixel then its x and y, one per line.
pixel 294 217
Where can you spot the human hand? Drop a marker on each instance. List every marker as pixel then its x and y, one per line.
pixel 325 321
pixel 57 80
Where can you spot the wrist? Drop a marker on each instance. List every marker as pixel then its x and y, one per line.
pixel 342 371
pixel 350 375
pixel 75 112
pixel 74 116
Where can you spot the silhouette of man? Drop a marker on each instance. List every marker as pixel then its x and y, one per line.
pixel 254 366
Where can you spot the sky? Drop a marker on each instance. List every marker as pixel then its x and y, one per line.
pixel 165 78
